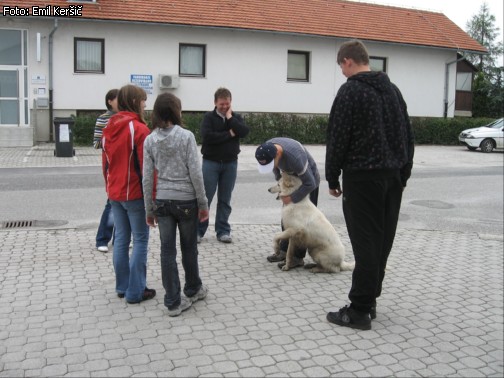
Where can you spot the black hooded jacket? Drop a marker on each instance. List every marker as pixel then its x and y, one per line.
pixel 369 133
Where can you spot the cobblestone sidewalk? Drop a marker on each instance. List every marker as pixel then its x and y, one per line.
pixel 441 313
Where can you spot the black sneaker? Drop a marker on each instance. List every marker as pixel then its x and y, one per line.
pixel 294 263
pixel 348 317
pixel 147 294
pixel 276 257
pixel 372 313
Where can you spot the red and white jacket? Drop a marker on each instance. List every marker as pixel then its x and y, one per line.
pixel 122 159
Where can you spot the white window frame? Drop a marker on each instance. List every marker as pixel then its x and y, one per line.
pixel 464 81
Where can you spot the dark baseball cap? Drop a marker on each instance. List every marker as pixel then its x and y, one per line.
pixel 265 156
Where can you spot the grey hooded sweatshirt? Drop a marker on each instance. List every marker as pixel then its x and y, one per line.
pixel 172 154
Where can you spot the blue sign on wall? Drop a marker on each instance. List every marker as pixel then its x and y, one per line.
pixel 142 81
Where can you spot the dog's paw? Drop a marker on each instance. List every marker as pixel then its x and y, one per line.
pixel 285 268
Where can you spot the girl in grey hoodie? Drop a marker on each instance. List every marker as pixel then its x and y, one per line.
pixel 174 196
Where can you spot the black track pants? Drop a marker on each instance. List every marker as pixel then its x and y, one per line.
pixel 371 210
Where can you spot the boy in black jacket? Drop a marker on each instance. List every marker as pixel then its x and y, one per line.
pixel 369 138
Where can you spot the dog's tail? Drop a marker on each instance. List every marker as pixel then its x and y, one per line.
pixel 347 265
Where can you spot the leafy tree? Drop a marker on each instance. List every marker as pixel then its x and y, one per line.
pixel 488 86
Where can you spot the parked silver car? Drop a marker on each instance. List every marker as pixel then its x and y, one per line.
pixel 488 137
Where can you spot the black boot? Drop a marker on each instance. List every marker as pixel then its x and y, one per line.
pixel 280 256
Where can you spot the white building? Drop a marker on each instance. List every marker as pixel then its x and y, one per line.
pixel 274 56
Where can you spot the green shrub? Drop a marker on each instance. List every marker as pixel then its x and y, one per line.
pixel 306 129
pixel 83 130
pixel 192 121
pixel 443 131
pixel 309 129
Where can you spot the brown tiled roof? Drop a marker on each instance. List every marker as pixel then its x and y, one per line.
pixel 331 18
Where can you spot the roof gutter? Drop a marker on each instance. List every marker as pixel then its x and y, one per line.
pixel 447 66
pixel 51 134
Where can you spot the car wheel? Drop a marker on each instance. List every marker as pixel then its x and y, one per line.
pixel 472 148
pixel 487 145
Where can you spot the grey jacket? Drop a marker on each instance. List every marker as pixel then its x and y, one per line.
pixel 172 153
pixel 297 160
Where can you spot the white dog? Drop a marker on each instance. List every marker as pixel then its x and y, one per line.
pixel 307 227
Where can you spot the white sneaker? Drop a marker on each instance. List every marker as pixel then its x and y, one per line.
pixel 102 248
pixel 225 239
pixel 185 303
pixel 201 294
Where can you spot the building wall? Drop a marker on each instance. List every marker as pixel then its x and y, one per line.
pixel 253 65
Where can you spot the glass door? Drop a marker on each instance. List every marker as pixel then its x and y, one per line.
pixel 9 97
pixel 13 78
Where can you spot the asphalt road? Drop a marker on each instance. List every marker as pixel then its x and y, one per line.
pixel 450 189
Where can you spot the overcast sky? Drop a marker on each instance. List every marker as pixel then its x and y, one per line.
pixel 459 11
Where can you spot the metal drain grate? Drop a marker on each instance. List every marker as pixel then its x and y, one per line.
pixel 18 224
pixel 32 223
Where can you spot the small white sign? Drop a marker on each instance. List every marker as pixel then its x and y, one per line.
pixel 64 133
pixel 38 79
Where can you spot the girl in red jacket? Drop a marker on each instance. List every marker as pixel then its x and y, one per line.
pixel 122 144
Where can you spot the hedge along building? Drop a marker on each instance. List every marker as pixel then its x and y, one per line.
pixel 59 57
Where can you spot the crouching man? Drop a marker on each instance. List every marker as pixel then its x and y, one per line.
pixel 288 155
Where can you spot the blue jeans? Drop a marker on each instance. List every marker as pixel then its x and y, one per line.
pixel 129 218
pixel 221 177
pixel 184 215
pixel 106 228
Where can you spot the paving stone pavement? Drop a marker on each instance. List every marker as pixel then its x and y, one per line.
pixel 441 313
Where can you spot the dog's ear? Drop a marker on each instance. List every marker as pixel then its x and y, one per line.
pixel 287 180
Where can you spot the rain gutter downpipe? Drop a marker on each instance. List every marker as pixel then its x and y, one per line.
pixel 445 113
pixel 51 134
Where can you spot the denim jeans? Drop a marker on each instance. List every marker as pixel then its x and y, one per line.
pixel 129 219
pixel 184 215
pixel 106 228
pixel 221 177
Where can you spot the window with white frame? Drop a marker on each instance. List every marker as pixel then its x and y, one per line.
pixel 192 60
pixel 464 81
pixel 298 66
pixel 378 64
pixel 89 55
